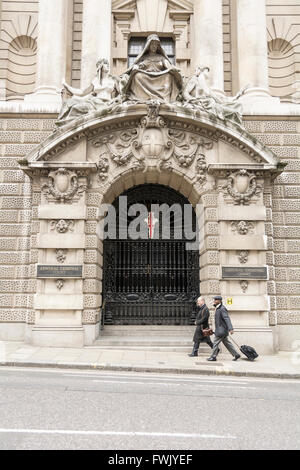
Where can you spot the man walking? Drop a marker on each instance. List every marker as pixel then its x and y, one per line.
pixel 202 323
pixel 222 329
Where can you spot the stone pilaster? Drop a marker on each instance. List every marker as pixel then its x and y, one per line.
pixel 60 234
pixel 251 43
pixel 96 37
pixel 243 244
pixel 208 39
pixel 53 34
pixel 93 267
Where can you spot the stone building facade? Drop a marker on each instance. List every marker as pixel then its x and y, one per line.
pixel 54 179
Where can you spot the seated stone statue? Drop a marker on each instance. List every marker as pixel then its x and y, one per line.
pixel 152 76
pixel 198 94
pixel 102 93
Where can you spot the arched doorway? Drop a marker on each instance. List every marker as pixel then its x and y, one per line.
pixel 150 274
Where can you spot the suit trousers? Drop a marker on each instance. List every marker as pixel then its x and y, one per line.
pixel 227 344
pixel 206 340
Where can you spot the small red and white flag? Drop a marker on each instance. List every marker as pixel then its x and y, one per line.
pixel 151 221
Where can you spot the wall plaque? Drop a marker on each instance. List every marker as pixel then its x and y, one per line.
pixel 244 272
pixel 46 270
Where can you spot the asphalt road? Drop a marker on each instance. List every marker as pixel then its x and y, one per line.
pixel 72 409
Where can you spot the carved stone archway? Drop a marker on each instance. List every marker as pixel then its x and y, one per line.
pixel 95 158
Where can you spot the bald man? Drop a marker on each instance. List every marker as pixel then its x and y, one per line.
pixel 201 323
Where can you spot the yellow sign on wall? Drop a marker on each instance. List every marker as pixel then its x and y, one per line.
pixel 229 301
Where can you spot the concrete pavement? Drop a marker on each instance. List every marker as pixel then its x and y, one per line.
pixel 281 365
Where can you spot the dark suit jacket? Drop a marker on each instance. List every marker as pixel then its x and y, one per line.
pixel 201 321
pixel 222 321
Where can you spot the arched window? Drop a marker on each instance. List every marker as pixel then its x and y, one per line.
pixel 21 67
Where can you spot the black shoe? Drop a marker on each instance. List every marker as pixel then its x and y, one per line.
pixel 211 359
pixel 193 354
pixel 236 357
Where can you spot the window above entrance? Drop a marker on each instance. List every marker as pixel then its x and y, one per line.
pixel 136 45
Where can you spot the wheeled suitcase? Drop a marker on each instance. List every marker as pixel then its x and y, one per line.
pixel 248 351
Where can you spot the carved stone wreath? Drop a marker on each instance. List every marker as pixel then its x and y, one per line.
pixel 242 186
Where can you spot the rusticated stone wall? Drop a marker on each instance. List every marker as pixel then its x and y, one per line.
pixel 283 138
pixel 17 223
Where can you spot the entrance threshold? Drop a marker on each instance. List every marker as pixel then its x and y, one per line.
pixel 149 338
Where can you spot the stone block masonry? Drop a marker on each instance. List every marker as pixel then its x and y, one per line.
pixel 18 136
pixel 282 136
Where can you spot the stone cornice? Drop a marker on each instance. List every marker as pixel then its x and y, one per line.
pixel 221 167
pixel 250 110
pixel 43 167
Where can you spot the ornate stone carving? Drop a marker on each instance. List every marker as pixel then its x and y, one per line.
pixel 118 146
pixel 197 94
pixel 102 95
pixel 63 185
pixel 59 283
pixel 186 146
pixel 152 139
pixel 243 256
pixel 152 75
pixel 153 119
pixel 201 169
pixel 244 286
pixel 242 227
pixel 242 186
pixel 62 226
pixel 103 167
pixel 61 255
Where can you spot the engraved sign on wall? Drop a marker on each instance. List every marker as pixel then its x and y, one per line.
pixel 46 271
pixel 243 272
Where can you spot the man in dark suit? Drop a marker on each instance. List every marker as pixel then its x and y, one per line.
pixel 223 327
pixel 201 323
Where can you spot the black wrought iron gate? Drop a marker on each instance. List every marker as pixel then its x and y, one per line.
pixel 149 281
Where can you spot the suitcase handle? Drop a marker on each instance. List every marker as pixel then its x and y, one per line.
pixel 234 341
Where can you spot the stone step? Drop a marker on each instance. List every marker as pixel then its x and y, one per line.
pixel 149 343
pixel 181 349
pixel 145 340
pixel 152 330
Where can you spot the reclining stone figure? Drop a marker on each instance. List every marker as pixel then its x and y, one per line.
pixel 101 94
pixel 197 94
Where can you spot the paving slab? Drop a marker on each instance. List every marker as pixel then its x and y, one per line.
pixel 282 365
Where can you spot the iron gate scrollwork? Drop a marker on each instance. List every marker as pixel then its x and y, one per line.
pixel 150 281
